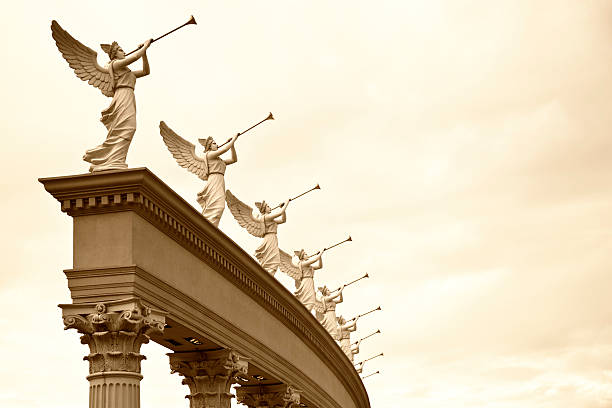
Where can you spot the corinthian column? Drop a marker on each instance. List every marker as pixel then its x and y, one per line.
pixel 209 375
pixel 114 332
pixel 272 396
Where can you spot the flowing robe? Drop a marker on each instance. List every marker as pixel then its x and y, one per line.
pixel 345 341
pixel 267 253
pixel 328 318
pixel 212 197
pixel 305 290
pixel 120 121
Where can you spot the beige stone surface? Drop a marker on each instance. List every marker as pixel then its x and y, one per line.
pixel 135 237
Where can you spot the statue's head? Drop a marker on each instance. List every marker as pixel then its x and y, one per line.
pixel 208 143
pixel 263 207
pixel 324 290
pixel 301 254
pixel 113 50
pixel 340 320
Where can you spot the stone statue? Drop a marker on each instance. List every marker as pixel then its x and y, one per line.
pixel 301 268
pixel 325 309
pixel 208 167
pixel 114 80
pixel 359 365
pixel 355 349
pixel 263 225
pixel 344 334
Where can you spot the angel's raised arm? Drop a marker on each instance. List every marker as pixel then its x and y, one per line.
pixel 146 69
pixel 213 154
pixel 281 212
pixel 124 62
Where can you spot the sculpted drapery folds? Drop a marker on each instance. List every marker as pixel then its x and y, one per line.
pixel 114 80
pixel 301 268
pixel 344 334
pixel 208 167
pixel 325 309
pixel 263 225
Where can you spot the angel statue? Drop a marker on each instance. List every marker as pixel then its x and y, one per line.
pixel 325 309
pixel 355 349
pixel 344 334
pixel 301 268
pixel 208 167
pixel 263 225
pixel 114 80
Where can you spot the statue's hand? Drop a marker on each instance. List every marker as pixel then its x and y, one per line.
pixel 146 44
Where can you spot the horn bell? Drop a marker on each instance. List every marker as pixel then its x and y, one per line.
pixel 270 117
pixel 191 20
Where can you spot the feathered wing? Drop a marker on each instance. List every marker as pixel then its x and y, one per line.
pixel 184 152
pixel 244 215
pixel 319 308
pixel 82 59
pixel 287 266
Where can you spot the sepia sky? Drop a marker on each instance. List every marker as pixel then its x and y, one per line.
pixel 465 146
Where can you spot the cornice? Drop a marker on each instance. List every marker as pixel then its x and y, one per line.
pixel 139 190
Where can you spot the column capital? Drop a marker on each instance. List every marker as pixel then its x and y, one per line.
pixel 209 375
pixel 272 396
pixel 114 332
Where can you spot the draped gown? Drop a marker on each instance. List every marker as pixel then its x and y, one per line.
pixel 345 341
pixel 328 318
pixel 267 253
pixel 212 197
pixel 305 291
pixel 120 121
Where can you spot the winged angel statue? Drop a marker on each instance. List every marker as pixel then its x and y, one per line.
pixel 263 225
pixel 208 167
pixel 114 80
pixel 325 309
pixel 301 269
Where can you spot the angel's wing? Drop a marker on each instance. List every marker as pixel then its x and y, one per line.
pixel 287 266
pixel 319 308
pixel 244 215
pixel 82 59
pixel 184 152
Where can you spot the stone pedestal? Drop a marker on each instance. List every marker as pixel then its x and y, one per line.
pixel 209 375
pixel 114 332
pixel 268 396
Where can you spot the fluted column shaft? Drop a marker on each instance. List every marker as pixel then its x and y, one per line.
pixel 114 332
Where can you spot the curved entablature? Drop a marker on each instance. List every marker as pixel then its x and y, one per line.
pixel 137 237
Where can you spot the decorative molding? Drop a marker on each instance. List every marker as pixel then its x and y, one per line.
pixel 141 191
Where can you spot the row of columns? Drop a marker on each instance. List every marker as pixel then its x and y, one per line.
pixel 115 331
